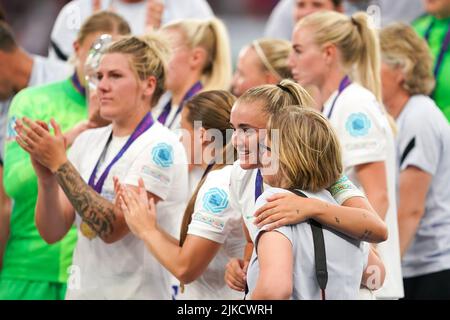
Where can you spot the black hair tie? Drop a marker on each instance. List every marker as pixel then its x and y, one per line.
pixel 283 88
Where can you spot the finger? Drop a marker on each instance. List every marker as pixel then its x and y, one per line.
pixel 25 140
pixel 151 205
pixel 31 134
pixel 124 208
pixel 23 145
pixel 276 196
pixel 234 282
pixel 265 207
pixel 265 215
pixel 275 225
pixel 116 184
pixel 43 125
pixel 244 269
pixel 141 189
pixel 35 127
pixel 234 287
pixel 56 127
pixel 269 219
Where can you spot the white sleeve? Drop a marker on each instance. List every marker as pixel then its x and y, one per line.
pixel 344 189
pixel 157 166
pixel 65 30
pixel 419 144
pixel 213 217
pixel 362 132
pixel 280 23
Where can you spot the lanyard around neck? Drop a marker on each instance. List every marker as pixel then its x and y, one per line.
pixel 345 82
pixel 168 107
pixel 143 126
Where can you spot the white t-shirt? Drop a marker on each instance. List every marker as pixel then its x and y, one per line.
pixel 215 220
pixel 365 136
pixel 423 141
pixel 43 71
pixel 346 257
pixel 73 15
pixel 125 269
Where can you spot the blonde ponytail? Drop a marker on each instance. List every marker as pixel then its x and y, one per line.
pixel 212 36
pixel 368 63
pixel 358 44
pixel 274 98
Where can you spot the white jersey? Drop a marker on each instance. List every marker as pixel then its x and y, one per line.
pixel 74 14
pixel 173 121
pixel 125 269
pixel 43 71
pixel 346 257
pixel 365 137
pixel 215 220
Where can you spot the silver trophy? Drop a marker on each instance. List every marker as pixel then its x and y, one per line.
pixel 93 61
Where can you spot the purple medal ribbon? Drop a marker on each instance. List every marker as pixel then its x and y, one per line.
pixel 258 185
pixel 76 83
pixel 444 47
pixel 345 82
pixel 143 126
pixel 166 111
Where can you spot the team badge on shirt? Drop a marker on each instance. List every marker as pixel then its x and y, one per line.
pixel 215 200
pixel 358 124
pixel 162 155
pixel 10 131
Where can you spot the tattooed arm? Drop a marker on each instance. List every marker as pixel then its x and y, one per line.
pixel 48 154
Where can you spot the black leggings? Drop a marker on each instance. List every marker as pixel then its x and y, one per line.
pixel 429 286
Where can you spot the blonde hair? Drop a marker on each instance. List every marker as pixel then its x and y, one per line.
pixel 103 21
pixel 358 44
pixel 213 109
pixel 273 98
pixel 309 150
pixel 212 36
pixel 149 57
pixel 356 40
pixel 274 54
pixel 402 48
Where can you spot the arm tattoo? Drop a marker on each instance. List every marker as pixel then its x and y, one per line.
pixel 366 235
pixel 337 220
pixel 95 210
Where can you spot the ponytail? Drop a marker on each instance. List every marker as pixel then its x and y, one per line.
pixel 212 36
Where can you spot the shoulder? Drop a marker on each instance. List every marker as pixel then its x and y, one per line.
pixel 91 137
pixel 421 23
pixel 29 96
pixel 262 199
pixel 214 194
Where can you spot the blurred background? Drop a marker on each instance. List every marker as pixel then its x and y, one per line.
pixel 32 20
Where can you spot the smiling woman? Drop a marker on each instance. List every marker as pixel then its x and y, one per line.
pixel 131 73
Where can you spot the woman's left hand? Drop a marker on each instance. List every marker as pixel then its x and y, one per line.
pixel 139 211
pixel 284 209
pixel 49 150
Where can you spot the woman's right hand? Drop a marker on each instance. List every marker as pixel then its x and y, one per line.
pixel 43 173
pixel 235 274
pixel 94 118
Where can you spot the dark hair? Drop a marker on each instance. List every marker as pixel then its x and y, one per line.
pixel 7 41
pixel 213 109
pixel 337 3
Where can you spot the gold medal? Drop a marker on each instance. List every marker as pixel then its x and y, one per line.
pixel 87 231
